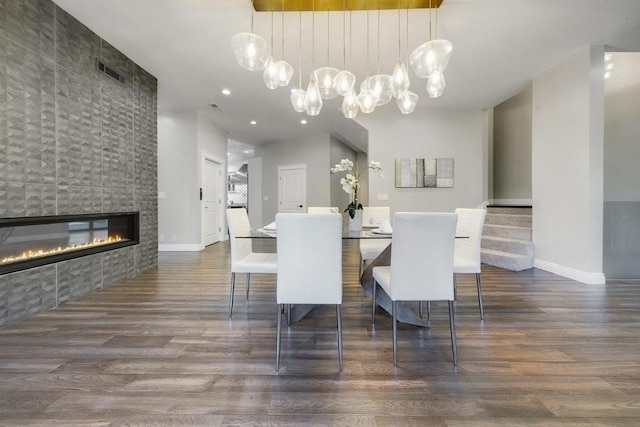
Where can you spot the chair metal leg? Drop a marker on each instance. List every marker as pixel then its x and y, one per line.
pixel 373 303
pixel 428 310
pixel 288 314
pixel 452 325
pixel 479 283
pixel 420 309
pixel 455 288
pixel 339 317
pixel 278 335
pixel 394 313
pixel 248 279
pixel 233 285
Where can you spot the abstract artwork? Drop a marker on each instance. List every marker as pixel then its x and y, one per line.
pixel 425 173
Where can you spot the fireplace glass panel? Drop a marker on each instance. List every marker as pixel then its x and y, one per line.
pixel 28 242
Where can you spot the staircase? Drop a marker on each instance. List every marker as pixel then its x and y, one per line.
pixel 506 238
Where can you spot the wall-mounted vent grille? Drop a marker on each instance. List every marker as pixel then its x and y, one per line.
pixel 103 68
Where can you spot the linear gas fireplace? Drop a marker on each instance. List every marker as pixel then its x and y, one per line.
pixel 29 242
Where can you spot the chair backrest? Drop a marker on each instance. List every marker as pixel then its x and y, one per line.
pixel 470 223
pixel 322 210
pixel 238 223
pixel 374 215
pixel 309 258
pixel 422 256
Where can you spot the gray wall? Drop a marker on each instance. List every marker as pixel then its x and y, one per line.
pixel 338 151
pixel 72 140
pixel 512 148
pixel 621 173
pixel 567 160
pixel 427 133
pixel 312 151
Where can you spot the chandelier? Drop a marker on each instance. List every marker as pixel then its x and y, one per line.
pixel 428 61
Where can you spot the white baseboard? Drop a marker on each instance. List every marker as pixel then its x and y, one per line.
pixel 570 273
pixel 516 202
pixel 191 247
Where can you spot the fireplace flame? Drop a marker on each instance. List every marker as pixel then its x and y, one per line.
pixel 46 252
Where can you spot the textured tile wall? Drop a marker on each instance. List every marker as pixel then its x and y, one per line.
pixel 72 140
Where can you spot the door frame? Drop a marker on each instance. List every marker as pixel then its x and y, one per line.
pixel 287 167
pixel 222 191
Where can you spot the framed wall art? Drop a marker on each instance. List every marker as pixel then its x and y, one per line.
pixel 424 173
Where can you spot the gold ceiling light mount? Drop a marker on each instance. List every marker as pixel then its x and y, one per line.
pixel 340 5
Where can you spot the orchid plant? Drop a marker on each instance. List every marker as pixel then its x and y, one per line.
pixel 351 181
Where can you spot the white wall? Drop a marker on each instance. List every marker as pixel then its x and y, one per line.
pixel 427 134
pixel 512 149
pixel 567 174
pixel 254 197
pixel 313 151
pixel 182 138
pixel 177 157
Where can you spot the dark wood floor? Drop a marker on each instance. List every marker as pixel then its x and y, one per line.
pixel 160 350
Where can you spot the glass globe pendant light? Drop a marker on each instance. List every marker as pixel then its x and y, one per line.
pixel 345 79
pixel 325 76
pixel 380 84
pixel 313 98
pixel 350 104
pixel 270 74
pixel 298 95
pixel 400 78
pixel 284 69
pixel 407 102
pixel 251 50
pixel 430 57
pixel 436 84
pixel 367 98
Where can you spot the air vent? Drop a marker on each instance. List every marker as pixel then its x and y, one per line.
pixel 103 68
pixel 215 107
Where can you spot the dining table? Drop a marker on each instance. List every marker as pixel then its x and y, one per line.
pixel 405 313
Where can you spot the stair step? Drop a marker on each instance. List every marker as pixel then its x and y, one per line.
pixel 509 261
pixel 518 210
pixel 507 231
pixel 521 247
pixel 508 219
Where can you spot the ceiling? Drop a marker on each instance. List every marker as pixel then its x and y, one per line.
pixel 499 46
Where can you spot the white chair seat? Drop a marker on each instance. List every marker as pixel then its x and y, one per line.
pixel 265 263
pixel 382 276
pixel 371 248
pixel 465 266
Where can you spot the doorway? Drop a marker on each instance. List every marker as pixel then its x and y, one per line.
pixel 292 188
pixel 212 192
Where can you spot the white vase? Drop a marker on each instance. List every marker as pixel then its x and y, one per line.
pixel 355 223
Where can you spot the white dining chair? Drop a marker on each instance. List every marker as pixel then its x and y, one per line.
pixel 421 265
pixel 371 248
pixel 466 254
pixel 243 259
pixel 322 210
pixel 309 265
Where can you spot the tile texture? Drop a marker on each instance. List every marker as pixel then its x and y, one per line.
pixel 72 140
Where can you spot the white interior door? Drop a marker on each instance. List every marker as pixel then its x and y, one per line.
pixel 292 189
pixel 211 202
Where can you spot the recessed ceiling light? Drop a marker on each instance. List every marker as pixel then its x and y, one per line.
pixel 247 151
pixel 607 74
pixel 303 121
pixel 226 92
pixel 253 122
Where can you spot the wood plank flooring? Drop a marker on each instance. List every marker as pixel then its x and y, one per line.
pixel 160 350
